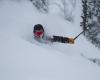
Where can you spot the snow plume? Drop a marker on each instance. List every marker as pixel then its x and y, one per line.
pixel 64 8
pixel 23 58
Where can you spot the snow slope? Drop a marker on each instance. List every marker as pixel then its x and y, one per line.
pixel 23 58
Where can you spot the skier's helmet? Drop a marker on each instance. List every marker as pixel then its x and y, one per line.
pixel 38 30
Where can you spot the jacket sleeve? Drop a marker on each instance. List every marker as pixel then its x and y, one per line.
pixel 60 39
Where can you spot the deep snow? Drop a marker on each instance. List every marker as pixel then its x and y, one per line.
pixel 23 58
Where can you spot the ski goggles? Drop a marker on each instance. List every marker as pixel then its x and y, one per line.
pixel 39 33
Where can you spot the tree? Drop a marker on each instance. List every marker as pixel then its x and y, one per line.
pixel 84 16
pixel 41 5
pixel 91 19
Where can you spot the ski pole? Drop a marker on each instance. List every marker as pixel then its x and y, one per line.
pixel 79 34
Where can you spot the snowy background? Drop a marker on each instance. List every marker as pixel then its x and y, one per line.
pixel 23 58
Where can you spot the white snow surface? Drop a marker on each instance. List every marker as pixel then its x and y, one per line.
pixel 23 58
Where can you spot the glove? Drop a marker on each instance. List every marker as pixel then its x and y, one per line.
pixel 70 40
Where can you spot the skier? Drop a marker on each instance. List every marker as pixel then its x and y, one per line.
pixel 39 35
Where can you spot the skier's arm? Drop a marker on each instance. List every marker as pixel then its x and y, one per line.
pixel 62 39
